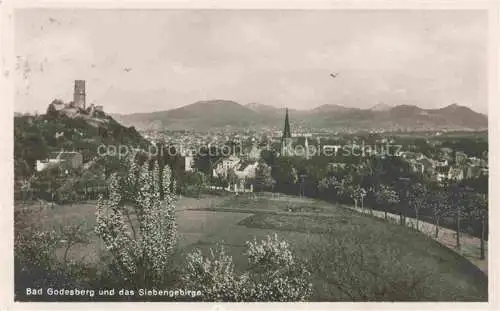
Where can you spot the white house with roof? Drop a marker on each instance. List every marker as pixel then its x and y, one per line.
pixel 442 173
pixel 223 166
pixel 246 171
pixel 65 160
pixel 254 153
pixel 243 169
pixel 188 163
pixel 441 163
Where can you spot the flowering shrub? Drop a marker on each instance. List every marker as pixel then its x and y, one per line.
pixel 138 227
pixel 36 263
pixel 35 248
pixel 213 275
pixel 269 253
pixel 273 275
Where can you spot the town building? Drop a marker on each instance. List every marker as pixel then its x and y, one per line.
pixel 441 163
pixel 460 157
pixel 66 161
pixel 442 173
pixel 254 153
pixel 188 163
pixel 474 161
pixel 223 166
pixel 472 172
pixel 244 171
pixel 422 165
pixel 247 170
pixel 456 174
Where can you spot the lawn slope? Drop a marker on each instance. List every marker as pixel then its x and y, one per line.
pixel 352 257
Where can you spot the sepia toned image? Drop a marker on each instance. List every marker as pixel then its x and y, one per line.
pixel 250 155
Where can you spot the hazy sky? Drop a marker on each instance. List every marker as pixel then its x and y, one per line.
pixel 281 58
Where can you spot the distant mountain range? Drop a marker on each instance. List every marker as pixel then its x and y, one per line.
pixel 217 114
pixel 381 107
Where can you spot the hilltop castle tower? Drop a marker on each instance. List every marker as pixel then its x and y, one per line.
pixel 286 138
pixel 79 94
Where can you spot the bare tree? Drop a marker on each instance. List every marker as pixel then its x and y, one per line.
pixel 72 236
pixel 439 205
pixel 457 195
pixel 361 194
pixel 403 185
pixel 479 211
pixel 417 199
pixel 263 178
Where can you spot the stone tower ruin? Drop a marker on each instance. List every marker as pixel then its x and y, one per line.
pixel 79 94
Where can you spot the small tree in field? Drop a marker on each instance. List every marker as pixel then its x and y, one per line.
pixel 345 187
pixel 386 196
pixel 361 194
pixel 329 187
pixel 417 198
pixel 357 194
pixel 232 177
pixel 263 178
pixel 137 227
pixel 438 202
pixel 352 191
pixel 479 211
pixel 458 196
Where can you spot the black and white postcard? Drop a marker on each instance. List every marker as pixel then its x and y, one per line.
pixel 255 153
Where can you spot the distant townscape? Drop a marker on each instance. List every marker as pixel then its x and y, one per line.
pixel 75 157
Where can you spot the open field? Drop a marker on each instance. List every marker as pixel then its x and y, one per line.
pixel 352 257
pixel 470 245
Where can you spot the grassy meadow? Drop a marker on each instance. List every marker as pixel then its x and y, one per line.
pixel 352 257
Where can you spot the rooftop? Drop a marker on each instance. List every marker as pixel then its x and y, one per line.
pixel 63 155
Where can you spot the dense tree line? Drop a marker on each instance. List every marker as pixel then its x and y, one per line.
pixel 386 184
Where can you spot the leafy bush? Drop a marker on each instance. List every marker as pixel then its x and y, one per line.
pixel 36 263
pixel 273 274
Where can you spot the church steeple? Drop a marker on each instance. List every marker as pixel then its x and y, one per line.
pixel 286 131
pixel 286 139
